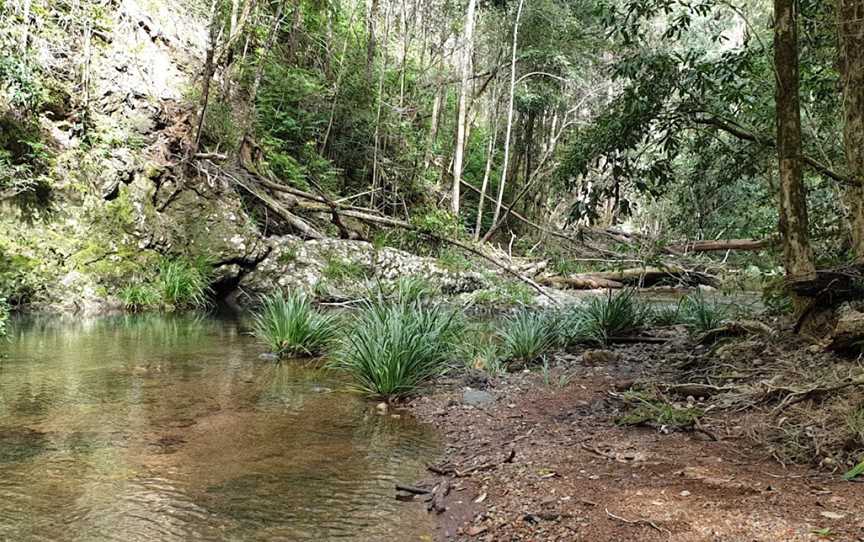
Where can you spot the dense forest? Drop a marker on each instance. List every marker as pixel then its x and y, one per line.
pixel 494 195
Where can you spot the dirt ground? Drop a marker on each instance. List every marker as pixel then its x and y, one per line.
pixel 576 475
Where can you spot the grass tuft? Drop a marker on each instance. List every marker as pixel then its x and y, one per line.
pixel 139 297
pixel 292 327
pixel 183 283
pixel 527 336
pixel 392 348
pixel 700 314
pixel 601 318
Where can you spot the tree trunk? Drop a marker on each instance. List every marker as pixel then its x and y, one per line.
pixel 371 14
pixel 209 68
pixel 249 119
pixel 465 90
pixel 851 52
pixel 490 157
pixel 500 199
pixel 798 255
pixel 25 32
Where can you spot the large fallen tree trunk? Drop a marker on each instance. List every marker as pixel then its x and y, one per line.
pixel 576 283
pixel 722 245
pixel 649 276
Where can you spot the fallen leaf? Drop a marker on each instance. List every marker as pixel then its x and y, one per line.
pixel 481 498
pixel 832 515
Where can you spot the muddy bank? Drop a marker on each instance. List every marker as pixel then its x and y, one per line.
pixel 542 458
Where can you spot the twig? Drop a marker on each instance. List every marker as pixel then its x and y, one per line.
pixel 639 522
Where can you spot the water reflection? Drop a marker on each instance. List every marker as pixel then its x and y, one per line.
pixel 171 428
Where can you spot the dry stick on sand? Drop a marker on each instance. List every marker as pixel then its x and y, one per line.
pixel 639 522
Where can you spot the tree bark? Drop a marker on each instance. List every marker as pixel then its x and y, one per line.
pixel 798 255
pixel 464 91
pixel 490 157
pixel 209 68
pixel 25 31
pixel 850 29
pixel 500 199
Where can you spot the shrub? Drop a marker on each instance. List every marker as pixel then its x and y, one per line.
pixel 700 314
pixel 292 327
pixel 527 336
pixel 601 318
pixel 182 283
pixel 393 348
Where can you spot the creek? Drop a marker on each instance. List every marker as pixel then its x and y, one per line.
pixel 171 428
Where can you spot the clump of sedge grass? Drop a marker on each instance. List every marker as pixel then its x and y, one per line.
pixel 601 318
pixel 394 347
pixel 139 297
pixel 292 327
pixel 527 336
pixel 183 283
pixel 700 314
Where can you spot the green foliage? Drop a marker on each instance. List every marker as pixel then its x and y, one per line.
pixel 140 297
pixel 504 293
pixel 4 317
pixel 338 269
pixel 775 296
pixel 527 336
pixel 453 260
pixel 600 318
pixel 410 289
pixel 292 327
pixel 855 472
pixel 392 348
pixel 183 283
pixel 20 276
pixel 700 314
pixel 176 284
pixel 666 315
pixel 647 409
pixel 483 353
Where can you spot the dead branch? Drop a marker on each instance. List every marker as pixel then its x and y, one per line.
pixel 638 522
pixel 797 396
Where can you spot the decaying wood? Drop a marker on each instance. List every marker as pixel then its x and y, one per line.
pixel 361 214
pixel 648 276
pixel 439 494
pixel 736 329
pixel 583 283
pixel 413 489
pixel 722 245
pixel 293 220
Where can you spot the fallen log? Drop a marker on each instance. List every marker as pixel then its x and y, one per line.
pixel 577 283
pixel 439 494
pixel 295 221
pixel 363 215
pixel 648 276
pixel 722 245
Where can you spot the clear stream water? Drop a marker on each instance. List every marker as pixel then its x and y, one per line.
pixel 170 429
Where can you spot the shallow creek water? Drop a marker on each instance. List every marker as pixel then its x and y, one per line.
pixel 171 428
